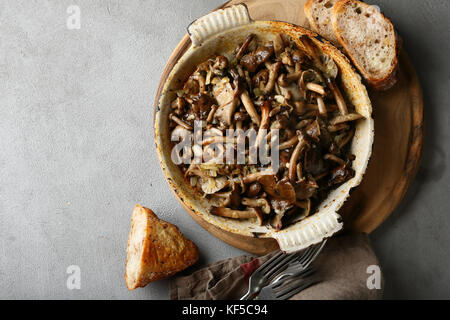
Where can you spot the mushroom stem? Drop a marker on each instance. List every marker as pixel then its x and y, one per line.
pixel 289 143
pixel 265 111
pixel 294 158
pixel 180 122
pixel 248 104
pixel 244 46
pixel 255 176
pixel 338 96
pixel 212 113
pixel 322 107
pixel 334 158
pixel 346 118
pixel 273 75
pixel 315 88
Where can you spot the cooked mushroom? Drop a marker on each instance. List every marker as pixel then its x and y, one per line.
pixel 255 176
pixel 254 189
pixel 338 96
pixel 278 44
pixel 250 108
pixel 244 46
pixel 302 143
pixel 180 122
pixel 257 203
pixel 347 118
pixel 238 214
pixel 268 85
pixel 316 88
pixel 273 74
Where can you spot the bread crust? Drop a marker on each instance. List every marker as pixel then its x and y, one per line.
pixel 156 249
pixel 377 84
pixel 312 21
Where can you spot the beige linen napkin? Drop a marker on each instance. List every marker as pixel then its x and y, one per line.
pixel 346 265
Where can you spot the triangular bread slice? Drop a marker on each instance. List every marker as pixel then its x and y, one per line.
pixel 370 41
pixel 318 13
pixel 156 249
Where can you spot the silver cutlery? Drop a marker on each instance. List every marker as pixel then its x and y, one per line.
pixel 278 263
pixel 290 286
pixel 302 263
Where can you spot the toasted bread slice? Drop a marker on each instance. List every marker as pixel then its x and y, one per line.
pixel 318 13
pixel 156 249
pixel 370 41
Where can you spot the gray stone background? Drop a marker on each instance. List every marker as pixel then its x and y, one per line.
pixel 76 147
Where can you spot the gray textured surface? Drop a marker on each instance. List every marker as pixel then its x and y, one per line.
pixel 76 147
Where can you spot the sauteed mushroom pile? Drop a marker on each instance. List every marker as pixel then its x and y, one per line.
pixel 263 86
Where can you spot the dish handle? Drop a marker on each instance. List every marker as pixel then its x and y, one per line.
pixel 218 21
pixel 308 232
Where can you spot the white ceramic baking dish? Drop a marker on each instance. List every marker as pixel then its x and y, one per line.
pixel 219 33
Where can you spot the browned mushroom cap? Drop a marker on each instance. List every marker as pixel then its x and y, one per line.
pixel 260 79
pixel 220 63
pixel 249 106
pixel 244 46
pixel 302 143
pixel 305 189
pixel 257 203
pixel 347 118
pixel 238 214
pixel 254 189
pixel 285 190
pixel 337 96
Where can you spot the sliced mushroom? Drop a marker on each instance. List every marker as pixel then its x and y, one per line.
pixel 258 203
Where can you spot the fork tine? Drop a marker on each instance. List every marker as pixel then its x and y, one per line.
pixel 301 286
pixel 280 265
pixel 268 262
pixel 313 257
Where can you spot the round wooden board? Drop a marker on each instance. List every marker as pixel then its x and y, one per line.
pixel 399 136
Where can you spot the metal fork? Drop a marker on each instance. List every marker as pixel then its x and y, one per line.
pixel 290 286
pixel 299 265
pixel 270 269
